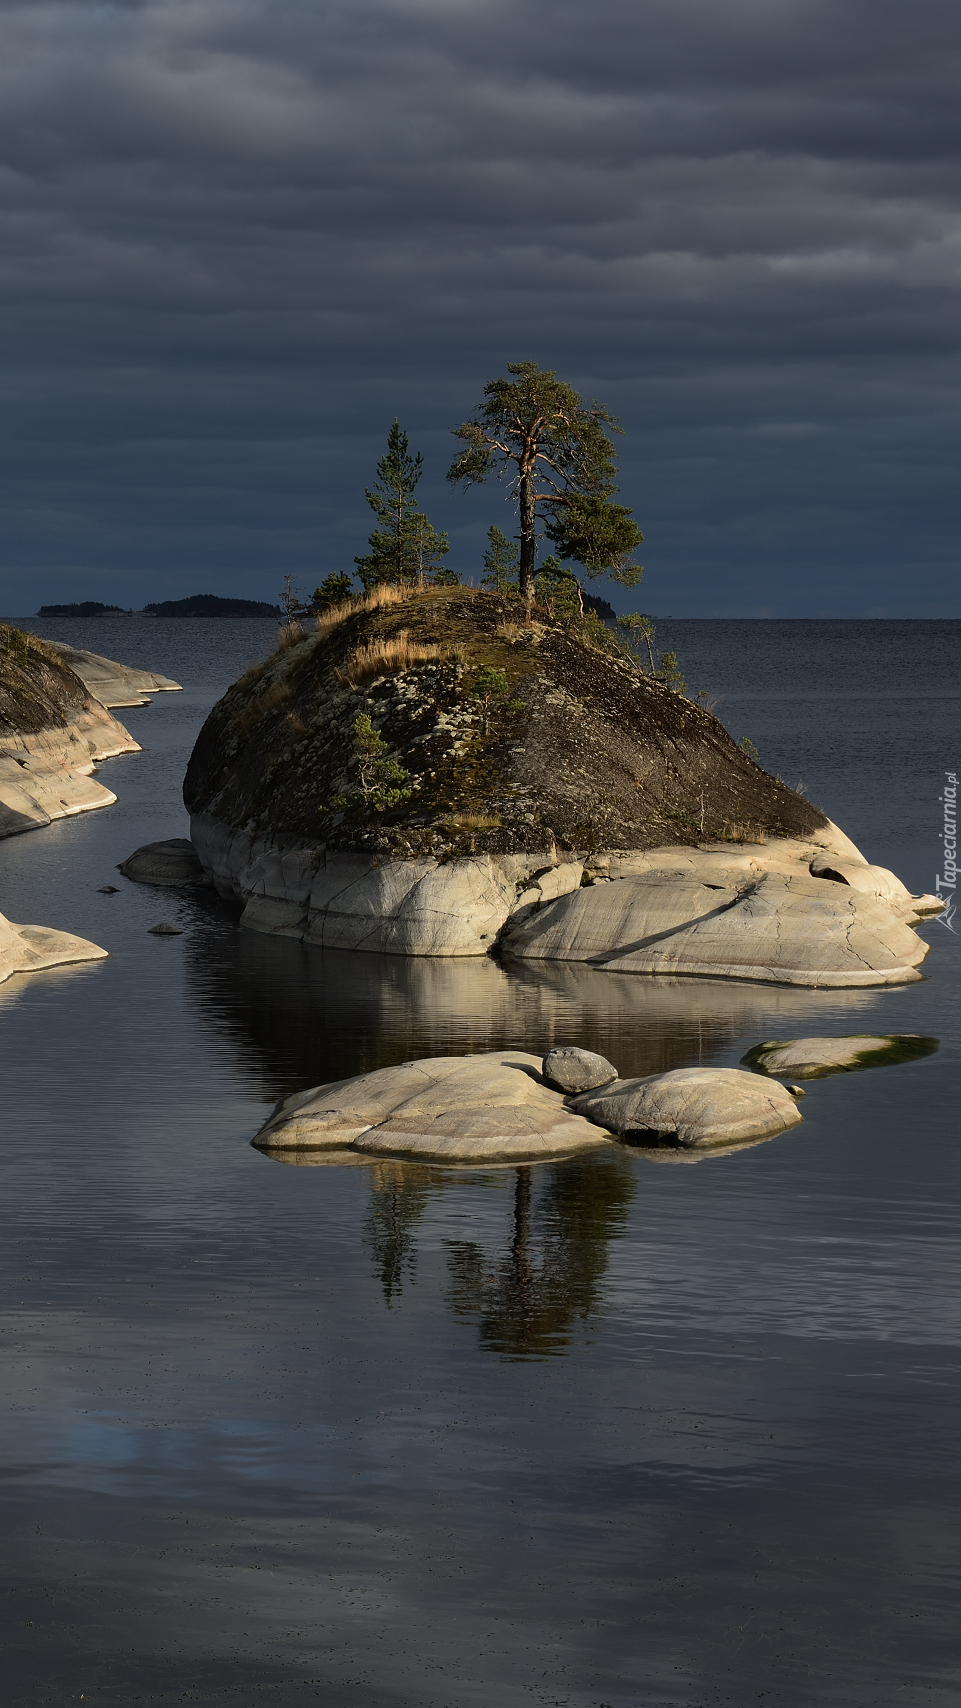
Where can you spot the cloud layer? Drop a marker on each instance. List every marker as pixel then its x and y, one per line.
pixel 239 237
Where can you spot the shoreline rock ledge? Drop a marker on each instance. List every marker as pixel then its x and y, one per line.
pixel 52 734
pixel 538 794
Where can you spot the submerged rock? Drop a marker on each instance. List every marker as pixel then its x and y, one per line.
pixel 174 862
pixel 31 948
pixel 691 1107
pixel 165 930
pixel 813 1058
pixel 486 1108
pixel 573 1070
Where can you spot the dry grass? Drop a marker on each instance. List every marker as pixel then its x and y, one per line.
pixel 741 833
pixel 508 631
pixel 473 821
pixel 387 658
pixel 289 635
pixel 296 724
pixel 337 614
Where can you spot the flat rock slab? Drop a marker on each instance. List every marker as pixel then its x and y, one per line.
pixel 173 862
pixel 692 1107
pixel 777 929
pixel 115 684
pixel 32 948
pixel 573 1069
pixel 494 1107
pixel 813 1058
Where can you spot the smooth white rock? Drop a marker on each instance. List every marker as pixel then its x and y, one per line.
pixel 779 929
pixel 693 1107
pixel 493 1107
pixel 31 948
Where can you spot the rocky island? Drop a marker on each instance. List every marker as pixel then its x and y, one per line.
pixel 430 774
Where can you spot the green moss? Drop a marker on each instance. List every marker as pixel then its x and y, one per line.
pixel 899 1047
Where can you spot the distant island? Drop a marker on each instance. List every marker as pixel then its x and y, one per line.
pixel 198 605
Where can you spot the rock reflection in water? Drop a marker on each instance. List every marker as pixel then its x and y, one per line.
pixel 314 1015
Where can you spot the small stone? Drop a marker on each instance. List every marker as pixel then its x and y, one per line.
pixel 165 930
pixel 574 1070
pixel 108 890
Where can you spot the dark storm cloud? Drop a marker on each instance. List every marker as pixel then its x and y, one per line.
pixel 238 238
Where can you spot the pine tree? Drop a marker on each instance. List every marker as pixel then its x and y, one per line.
pixel 556 451
pixel 404 546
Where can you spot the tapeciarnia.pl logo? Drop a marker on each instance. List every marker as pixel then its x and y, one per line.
pixel 949 836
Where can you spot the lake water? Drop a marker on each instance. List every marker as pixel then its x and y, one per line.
pixel 605 1432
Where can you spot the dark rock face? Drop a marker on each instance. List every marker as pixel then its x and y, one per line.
pixel 576 745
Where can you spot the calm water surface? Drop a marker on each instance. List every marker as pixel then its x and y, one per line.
pixel 601 1432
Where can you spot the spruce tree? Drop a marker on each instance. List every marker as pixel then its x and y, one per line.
pixel 404 546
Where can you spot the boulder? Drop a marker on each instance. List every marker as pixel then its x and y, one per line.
pixel 115 684
pixel 165 929
pixel 779 928
pixel 691 1107
pixel 486 1108
pixel 573 1070
pixel 31 948
pixel 174 863
pixel 813 1058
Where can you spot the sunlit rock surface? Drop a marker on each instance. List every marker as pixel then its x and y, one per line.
pixel 813 1058
pixel 692 1107
pixel 494 1107
pixel 52 733
pixel 112 683
pixel 31 948
pixel 778 929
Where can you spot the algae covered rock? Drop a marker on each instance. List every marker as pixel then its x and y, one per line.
pixel 814 1058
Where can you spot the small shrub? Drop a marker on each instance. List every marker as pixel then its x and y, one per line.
pixel 671 674
pixel 748 748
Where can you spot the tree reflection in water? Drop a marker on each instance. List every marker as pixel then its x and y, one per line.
pixel 548 1279
pixel 398 1199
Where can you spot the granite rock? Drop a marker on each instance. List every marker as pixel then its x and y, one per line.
pixel 573 1070
pixel 493 1107
pixel 31 948
pixel 692 1107
pixel 173 862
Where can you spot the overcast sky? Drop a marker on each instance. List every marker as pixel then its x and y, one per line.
pixel 239 236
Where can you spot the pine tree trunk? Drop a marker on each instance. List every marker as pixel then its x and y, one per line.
pixel 525 579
